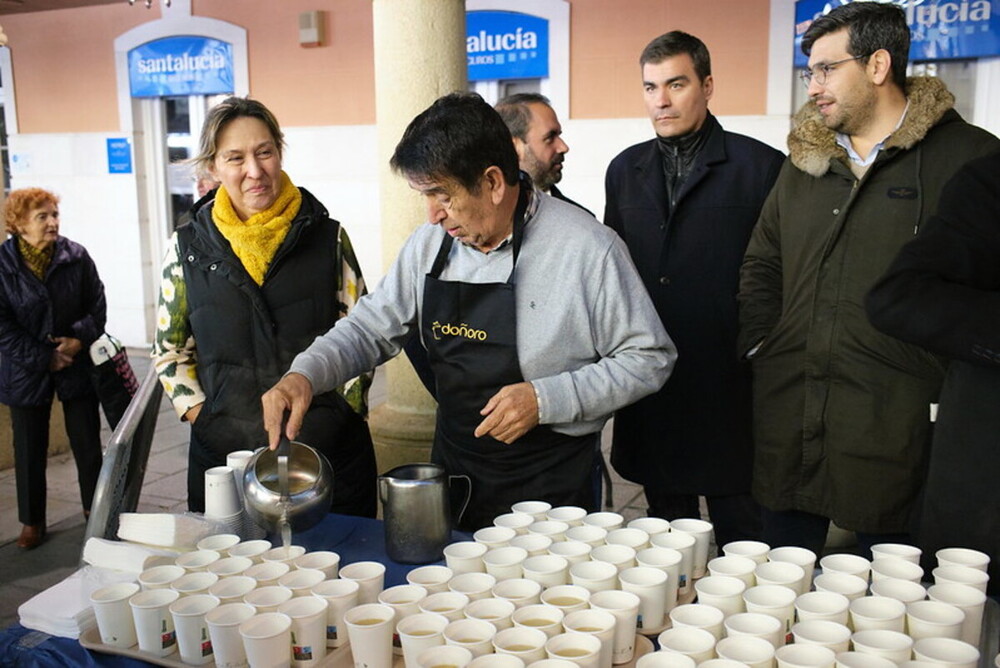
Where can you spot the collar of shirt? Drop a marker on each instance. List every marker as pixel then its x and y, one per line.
pixel 845 142
pixel 529 213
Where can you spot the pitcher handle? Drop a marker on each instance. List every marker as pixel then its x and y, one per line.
pixel 456 519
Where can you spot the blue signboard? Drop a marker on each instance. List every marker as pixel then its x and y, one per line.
pixel 940 29
pixel 186 65
pixel 119 156
pixel 506 45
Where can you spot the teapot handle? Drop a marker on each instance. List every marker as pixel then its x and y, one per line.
pixel 456 519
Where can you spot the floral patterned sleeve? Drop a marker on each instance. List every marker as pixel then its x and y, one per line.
pixel 174 353
pixel 351 288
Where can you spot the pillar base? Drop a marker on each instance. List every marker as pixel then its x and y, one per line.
pixel 400 437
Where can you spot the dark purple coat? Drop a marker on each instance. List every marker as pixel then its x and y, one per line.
pixel 69 302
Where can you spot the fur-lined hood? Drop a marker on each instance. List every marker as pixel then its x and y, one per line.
pixel 811 145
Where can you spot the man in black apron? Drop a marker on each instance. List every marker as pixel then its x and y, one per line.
pixel 593 344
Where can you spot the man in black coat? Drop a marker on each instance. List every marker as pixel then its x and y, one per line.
pixel 685 204
pixel 943 293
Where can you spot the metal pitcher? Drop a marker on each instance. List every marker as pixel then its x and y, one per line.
pixel 416 509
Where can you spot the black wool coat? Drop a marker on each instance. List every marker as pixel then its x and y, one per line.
pixel 694 435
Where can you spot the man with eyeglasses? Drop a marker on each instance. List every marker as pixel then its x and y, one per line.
pixel 841 411
pixel 685 203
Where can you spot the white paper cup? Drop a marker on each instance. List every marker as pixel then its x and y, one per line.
pixel 267 572
pixel 419 632
pixel 966 575
pixel 160 577
pixel 774 600
pixel 587 533
pixel 444 656
pixel 517 521
pixel 547 570
pixel 851 564
pixel 606 520
pixel 963 556
pixel 496 611
pixel 573 551
pixel 625 607
pixel 194 583
pixel 220 542
pixel 193 641
pixel 504 563
pixel 635 538
pixel 232 590
pixel 321 560
pixel 650 585
pixel 568 598
pixel 667 560
pixel 545 618
pixel 901 590
pixel 892 645
pixel 549 528
pixel 622 556
pixel 432 578
pixel 898 569
pixel 878 612
pixel 283 554
pixel 370 627
pixel 933 619
pixel 252 549
pixel 651 525
pixel 804 656
pixel 473 634
pixel 582 649
pixel 751 549
pixel 702 532
pixel 699 616
pixel 494 536
pixel 114 616
pixel 946 651
pixel 722 663
pixel 913 663
pixel 598 623
pixel 267 639
pixel 465 557
pixel 308 615
pixel 519 591
pixel 267 599
pixel 683 543
pixel 734 566
pixel 535 543
pixel 449 604
pixel 224 630
pixel 850 586
pixel 404 599
pixel 594 575
pixel 824 633
pixel 571 515
pixel 896 551
pixel 753 652
pixel 535 509
pixel 340 596
pixel 722 591
pixel 665 659
pixel 154 626
pixel 525 643
pixel 782 573
pixel 756 625
pixel 302 580
pixel 221 497
pixel 230 566
pixel 861 660
pixel 801 557
pixel 197 560
pixel 474 585
pixel 969 600
pixel 496 661
pixel 698 644
pixel 370 576
pixel 826 605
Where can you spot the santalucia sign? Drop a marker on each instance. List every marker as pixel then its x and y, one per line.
pixel 184 65
pixel 439 331
pixel 506 45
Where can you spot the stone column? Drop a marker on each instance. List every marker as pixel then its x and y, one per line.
pixel 419 56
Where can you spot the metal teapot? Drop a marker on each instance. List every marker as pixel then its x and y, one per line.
pixel 310 484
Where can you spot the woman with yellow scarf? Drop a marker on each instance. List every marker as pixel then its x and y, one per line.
pixel 259 272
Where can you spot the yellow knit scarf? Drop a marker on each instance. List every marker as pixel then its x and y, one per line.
pixel 37 261
pixel 256 240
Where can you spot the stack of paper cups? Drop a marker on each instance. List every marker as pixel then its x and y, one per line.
pixel 237 461
pixel 222 501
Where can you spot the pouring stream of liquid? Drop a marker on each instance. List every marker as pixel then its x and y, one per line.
pixel 284 447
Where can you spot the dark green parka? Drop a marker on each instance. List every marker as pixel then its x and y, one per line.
pixel 841 411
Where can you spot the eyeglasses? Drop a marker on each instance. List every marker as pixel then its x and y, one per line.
pixel 821 72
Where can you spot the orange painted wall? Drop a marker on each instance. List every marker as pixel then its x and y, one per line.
pixel 606 39
pixel 65 76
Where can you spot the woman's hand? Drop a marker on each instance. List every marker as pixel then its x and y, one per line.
pixel 192 413
pixel 68 346
pixel 59 361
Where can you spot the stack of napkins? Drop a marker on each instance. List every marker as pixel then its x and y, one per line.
pixel 163 529
pixel 64 609
pixel 125 556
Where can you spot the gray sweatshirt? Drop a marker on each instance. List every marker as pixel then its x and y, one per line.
pixel 588 337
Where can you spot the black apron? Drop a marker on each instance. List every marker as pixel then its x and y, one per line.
pixel 471 337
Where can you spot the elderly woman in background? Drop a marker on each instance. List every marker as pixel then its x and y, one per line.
pixel 51 309
pixel 260 271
